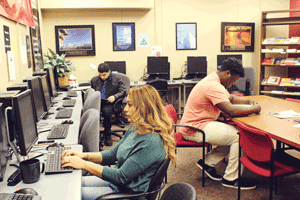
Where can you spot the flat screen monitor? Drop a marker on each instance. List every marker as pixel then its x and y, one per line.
pixel 221 58
pixel 45 93
pixel 24 122
pixel 117 66
pixel 51 82
pixel 157 65
pixel 3 141
pixel 37 96
pixel 196 65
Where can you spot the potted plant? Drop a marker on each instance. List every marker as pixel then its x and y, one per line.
pixel 62 66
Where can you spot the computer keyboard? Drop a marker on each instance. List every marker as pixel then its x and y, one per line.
pixel 72 93
pixel 59 131
pixel 53 163
pixel 64 113
pixel 69 103
pixel 18 196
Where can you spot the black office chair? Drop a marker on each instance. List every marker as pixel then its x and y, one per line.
pixel 179 191
pixel 156 185
pixel 246 84
pixel 161 85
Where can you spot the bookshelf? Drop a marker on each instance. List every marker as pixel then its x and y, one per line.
pixel 279 54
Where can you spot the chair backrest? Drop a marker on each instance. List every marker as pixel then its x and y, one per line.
pixel 293 100
pixel 171 112
pixel 256 144
pixel 89 130
pixel 179 191
pixel 126 81
pixel 88 93
pixel 157 179
pixel 241 83
pixel 161 85
pixel 94 101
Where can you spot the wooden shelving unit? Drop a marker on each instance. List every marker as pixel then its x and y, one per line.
pixel 268 21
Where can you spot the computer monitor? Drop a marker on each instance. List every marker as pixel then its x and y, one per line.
pixel 197 65
pixel 157 65
pixel 221 58
pixel 3 142
pixel 45 93
pixel 24 122
pixel 37 96
pixel 51 82
pixel 117 66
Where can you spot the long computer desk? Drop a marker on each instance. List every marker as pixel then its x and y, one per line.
pixel 186 84
pixel 72 137
pixel 171 84
pixel 54 186
pixel 49 187
pixel 281 130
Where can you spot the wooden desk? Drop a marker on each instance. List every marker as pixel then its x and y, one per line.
pixel 281 130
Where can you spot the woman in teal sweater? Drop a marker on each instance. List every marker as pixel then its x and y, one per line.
pixel 147 142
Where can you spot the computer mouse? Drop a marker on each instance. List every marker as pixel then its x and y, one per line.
pixel 59 108
pixel 27 191
pixel 67 122
pixel 66 98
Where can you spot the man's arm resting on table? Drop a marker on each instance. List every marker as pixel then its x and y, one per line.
pixel 241 100
pixel 237 111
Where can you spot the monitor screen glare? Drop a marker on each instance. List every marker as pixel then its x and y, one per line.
pixel 157 65
pixel 25 124
pixel 196 65
pixel 36 92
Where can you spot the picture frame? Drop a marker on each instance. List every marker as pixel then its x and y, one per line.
pixel 237 37
pixel 75 40
pixel 123 36
pixel 186 36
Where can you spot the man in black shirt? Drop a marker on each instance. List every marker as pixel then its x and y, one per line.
pixel 111 87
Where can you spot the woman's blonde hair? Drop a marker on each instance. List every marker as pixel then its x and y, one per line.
pixel 150 116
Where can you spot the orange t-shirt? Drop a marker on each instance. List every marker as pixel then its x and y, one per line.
pixel 200 108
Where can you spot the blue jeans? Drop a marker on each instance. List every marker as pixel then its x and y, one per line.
pixel 93 187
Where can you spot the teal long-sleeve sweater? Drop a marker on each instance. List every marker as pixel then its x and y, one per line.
pixel 138 158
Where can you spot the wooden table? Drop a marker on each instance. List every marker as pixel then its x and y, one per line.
pixel 281 130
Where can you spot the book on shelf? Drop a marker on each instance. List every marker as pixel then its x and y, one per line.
pixel 279 61
pixel 268 61
pixel 285 82
pixel 294 40
pixel 297 82
pixel 264 81
pixel 279 40
pixel 290 61
pixel 273 80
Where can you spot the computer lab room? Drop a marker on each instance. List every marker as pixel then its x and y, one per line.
pixel 150 99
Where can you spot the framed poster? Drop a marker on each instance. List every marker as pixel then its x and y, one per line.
pixel 186 36
pixel 35 36
pixel 123 36
pixel 237 37
pixel 76 40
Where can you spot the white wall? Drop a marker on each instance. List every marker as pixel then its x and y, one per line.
pixel 158 22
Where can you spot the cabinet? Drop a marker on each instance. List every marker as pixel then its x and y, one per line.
pixel 279 47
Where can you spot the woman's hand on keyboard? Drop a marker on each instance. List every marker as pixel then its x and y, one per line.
pixel 71 152
pixel 72 161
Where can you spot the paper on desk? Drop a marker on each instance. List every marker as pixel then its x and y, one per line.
pixel 285 114
pixel 297 126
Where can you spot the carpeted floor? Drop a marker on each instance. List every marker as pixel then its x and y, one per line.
pixel 187 171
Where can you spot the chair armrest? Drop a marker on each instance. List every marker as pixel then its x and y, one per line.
pixel 120 196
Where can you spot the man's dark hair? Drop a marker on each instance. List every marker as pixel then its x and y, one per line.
pixel 103 67
pixel 234 66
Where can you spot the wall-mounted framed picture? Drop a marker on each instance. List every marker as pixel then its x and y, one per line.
pixel 76 40
pixel 123 36
pixel 237 37
pixel 186 36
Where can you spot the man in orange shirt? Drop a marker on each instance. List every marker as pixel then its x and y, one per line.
pixel 205 103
